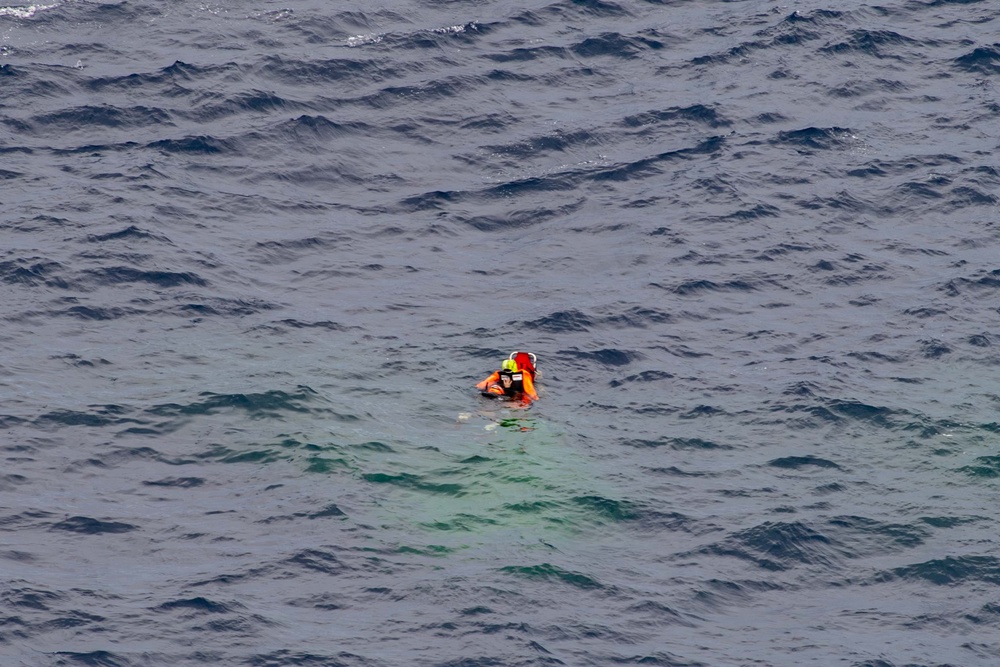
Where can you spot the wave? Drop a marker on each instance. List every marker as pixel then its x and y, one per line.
pixel 132 232
pixel 799 462
pixel 605 357
pixel 68 121
pixel 817 138
pixel 176 482
pixel 264 405
pixel 615 45
pixel 116 275
pixel 198 605
pixel 644 376
pixel 196 145
pixel 549 572
pixel 254 256
pixel 872 43
pixel 781 546
pixel 675 443
pixel 982 60
pixel 948 571
pixel 86 525
pixel 172 75
pixel 26 11
pixel 32 273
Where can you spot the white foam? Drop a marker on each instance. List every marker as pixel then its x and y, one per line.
pixel 361 40
pixel 450 30
pixel 24 12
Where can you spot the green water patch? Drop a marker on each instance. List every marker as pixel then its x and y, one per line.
pixel 493 480
pixel 487 473
pixel 227 455
pixel 317 457
pixel 518 424
pixel 324 465
pixel 530 506
pixel 547 571
pixel 607 508
pixel 411 481
pixel 462 523
pixel 373 446
pixel 434 550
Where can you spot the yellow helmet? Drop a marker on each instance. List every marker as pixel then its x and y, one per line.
pixel 508 365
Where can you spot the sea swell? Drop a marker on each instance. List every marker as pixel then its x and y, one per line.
pixel 255 259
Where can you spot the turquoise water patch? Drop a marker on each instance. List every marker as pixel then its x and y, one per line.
pixel 547 571
pixel 509 479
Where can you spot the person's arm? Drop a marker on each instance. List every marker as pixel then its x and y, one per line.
pixel 495 377
pixel 529 386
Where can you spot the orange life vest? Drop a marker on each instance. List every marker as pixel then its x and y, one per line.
pixel 521 385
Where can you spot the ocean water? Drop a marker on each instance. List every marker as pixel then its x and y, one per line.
pixel 255 255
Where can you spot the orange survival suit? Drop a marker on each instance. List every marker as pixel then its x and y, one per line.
pixel 515 379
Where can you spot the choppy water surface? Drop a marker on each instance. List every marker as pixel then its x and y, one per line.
pixel 255 255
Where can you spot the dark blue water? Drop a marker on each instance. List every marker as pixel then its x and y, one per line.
pixel 253 257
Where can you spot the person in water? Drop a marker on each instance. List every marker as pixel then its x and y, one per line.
pixel 515 380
